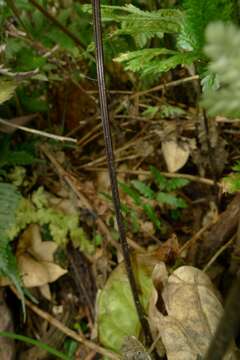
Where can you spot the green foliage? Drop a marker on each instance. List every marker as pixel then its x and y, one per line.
pixel 232 181
pixel 7 88
pixel 187 25
pixel 146 198
pixel 34 342
pixel 37 44
pixel 141 25
pixel 223 48
pixel 62 227
pixel 10 157
pixel 9 203
pixel 116 312
pixel 198 14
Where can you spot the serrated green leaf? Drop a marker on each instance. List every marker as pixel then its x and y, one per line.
pixel 151 213
pixel 176 183
pixel 131 192
pixel 144 189
pixel 198 14
pixel 160 180
pixel 171 200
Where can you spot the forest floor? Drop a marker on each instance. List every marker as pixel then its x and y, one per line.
pixel 159 137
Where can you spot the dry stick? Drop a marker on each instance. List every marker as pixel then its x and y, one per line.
pixel 195 237
pixel 37 132
pixel 117 151
pixel 163 86
pixel 229 325
pixel 111 167
pixel 218 253
pixel 64 329
pixel 155 88
pixel 199 179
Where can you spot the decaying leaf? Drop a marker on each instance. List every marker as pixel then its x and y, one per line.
pixel 7 88
pixel 175 153
pixel 116 312
pixel 35 261
pixel 193 311
pixel 132 349
pixel 117 317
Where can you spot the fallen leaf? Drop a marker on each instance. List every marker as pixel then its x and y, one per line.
pixel 116 312
pixel 175 153
pixel 35 259
pixel 193 311
pixel 132 349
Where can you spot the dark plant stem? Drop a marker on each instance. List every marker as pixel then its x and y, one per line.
pixel 111 167
pixel 229 326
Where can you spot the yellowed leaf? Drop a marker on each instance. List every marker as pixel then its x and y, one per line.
pixel 7 88
pixel 193 311
pixel 175 154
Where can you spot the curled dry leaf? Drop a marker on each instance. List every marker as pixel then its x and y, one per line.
pixel 175 153
pixel 193 311
pixel 35 260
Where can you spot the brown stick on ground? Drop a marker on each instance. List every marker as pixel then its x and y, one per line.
pixel 220 232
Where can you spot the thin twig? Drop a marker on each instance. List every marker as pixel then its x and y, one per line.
pixel 101 159
pixel 38 132
pixel 64 329
pixel 155 88
pixel 111 167
pixel 199 179
pixel 217 254
pixel 167 85
pixel 195 237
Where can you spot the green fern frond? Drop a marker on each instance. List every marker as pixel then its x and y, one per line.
pixel 141 25
pixel 223 49
pixel 146 62
pixel 143 189
pixel 9 202
pixel 198 14
pixel 138 60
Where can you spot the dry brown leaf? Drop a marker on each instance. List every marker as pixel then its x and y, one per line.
pixel 193 311
pixel 35 260
pixel 175 153
pixel 132 349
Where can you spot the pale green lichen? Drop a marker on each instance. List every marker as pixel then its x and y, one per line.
pixel 62 227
